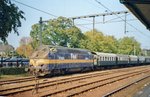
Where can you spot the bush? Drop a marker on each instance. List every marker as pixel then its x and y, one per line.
pixel 12 70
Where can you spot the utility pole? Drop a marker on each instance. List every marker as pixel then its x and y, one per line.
pixel 125 23
pixel 93 24
pixel 40 33
pixel 134 49
pixel 73 21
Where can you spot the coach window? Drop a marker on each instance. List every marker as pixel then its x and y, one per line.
pixel 119 58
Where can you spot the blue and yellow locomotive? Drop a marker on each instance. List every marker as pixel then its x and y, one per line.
pixel 55 59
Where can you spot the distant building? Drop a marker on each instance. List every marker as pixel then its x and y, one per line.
pixel 5 50
pixel 146 52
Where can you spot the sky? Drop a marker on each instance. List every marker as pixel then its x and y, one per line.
pixel 72 8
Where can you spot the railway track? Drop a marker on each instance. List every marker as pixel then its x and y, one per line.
pixel 16 80
pixel 81 88
pixel 54 83
pixel 124 87
pixel 25 87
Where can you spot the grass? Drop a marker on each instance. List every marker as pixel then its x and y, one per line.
pixel 14 76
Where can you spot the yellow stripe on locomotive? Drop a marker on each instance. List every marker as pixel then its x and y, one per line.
pixel 36 62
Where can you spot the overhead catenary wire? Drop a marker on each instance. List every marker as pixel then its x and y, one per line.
pixel 87 20
pixel 120 17
pixel 106 22
pixel 35 8
pixel 93 16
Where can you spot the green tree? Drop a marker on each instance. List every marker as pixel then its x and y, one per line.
pixel 110 44
pixel 93 41
pixel 60 31
pixel 96 41
pixel 128 45
pixel 10 16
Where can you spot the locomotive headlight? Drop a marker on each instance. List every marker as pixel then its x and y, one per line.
pixel 41 65
pixel 37 69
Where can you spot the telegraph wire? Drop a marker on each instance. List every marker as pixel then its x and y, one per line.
pixel 35 8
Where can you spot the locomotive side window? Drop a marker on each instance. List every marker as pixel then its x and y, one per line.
pixel 51 56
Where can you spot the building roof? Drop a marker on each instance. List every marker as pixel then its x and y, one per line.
pixel 140 8
pixel 4 48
